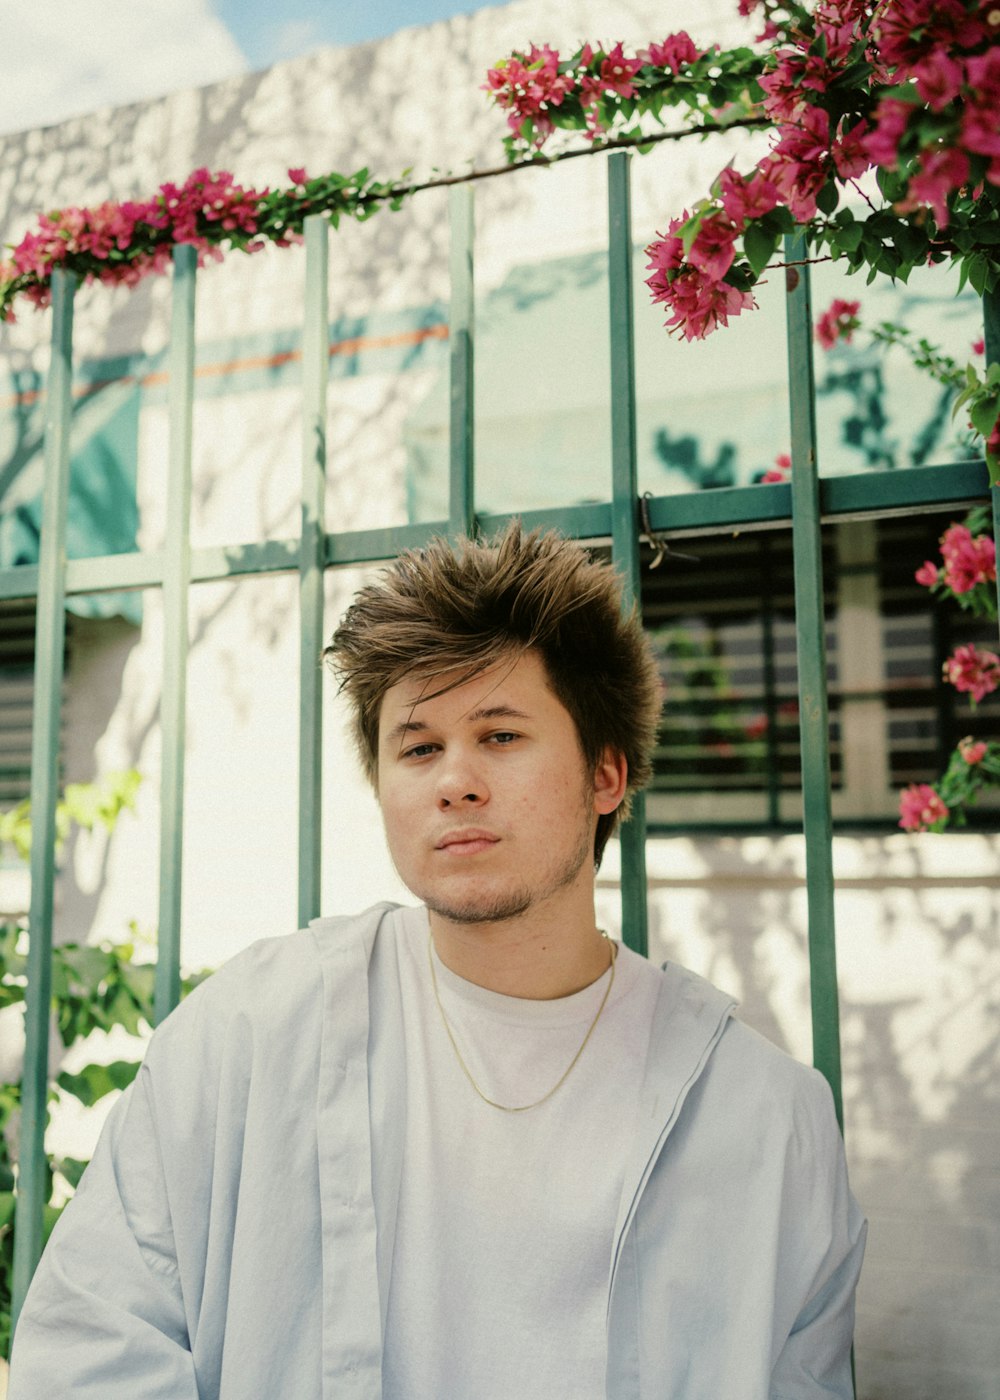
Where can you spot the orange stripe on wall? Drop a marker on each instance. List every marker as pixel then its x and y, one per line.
pixel 351 346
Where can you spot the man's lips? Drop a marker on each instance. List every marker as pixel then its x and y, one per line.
pixel 466 842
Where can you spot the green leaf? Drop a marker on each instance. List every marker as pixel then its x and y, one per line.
pixel 72 1168
pixel 984 414
pixel 978 272
pixel 848 238
pixel 94 1081
pixel 828 197
pixel 758 245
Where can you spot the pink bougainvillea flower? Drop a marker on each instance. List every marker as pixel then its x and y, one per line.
pixel 901 30
pixel 746 196
pixel 527 85
pixel 799 164
pixel 713 249
pixel 981 132
pixel 297 175
pixel 938 77
pixel 979 346
pixel 942 171
pixel 783 86
pixel 921 807
pixel 697 302
pixel 882 144
pixel 974 672
pixel 838 322
pixel 927 574
pixel 850 155
pixel 972 750
pixel 617 72
pixel 779 472
pixel 967 561
pixel 675 53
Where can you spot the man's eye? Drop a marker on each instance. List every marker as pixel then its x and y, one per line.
pixel 419 751
pixel 504 737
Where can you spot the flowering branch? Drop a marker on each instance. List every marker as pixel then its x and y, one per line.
pixel 906 94
pixel 121 243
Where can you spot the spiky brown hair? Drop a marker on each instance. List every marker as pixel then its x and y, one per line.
pixel 462 609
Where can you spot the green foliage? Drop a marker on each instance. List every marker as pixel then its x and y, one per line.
pixel 94 989
pixel 962 782
pixel 981 399
pixel 84 805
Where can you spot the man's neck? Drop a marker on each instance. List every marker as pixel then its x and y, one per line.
pixel 540 955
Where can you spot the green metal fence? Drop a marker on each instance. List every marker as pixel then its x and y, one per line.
pixel 802 505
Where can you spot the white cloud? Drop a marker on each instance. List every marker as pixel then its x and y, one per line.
pixel 296 36
pixel 66 57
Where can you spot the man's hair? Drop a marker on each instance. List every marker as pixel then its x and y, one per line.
pixel 468 607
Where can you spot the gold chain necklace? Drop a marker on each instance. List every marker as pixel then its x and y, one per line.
pixel 518 1108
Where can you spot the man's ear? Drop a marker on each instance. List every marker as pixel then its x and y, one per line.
pixel 610 781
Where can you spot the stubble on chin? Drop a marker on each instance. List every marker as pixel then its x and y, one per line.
pixel 511 904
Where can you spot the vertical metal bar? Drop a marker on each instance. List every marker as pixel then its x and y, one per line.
pixel 176 582
pixel 991 324
pixel 624 507
pixel 50 636
pixel 461 342
pixel 810 629
pixel 315 374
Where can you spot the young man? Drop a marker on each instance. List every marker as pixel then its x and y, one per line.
pixel 472 1150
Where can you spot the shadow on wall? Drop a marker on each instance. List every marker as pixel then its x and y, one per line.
pixel 919 971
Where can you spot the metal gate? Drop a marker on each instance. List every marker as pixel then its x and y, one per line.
pixel 802 504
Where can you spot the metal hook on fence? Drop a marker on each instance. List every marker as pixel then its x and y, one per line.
pixel 657 542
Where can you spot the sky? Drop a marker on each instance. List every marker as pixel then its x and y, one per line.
pixel 63 58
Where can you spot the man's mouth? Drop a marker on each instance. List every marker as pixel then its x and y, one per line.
pixel 469 841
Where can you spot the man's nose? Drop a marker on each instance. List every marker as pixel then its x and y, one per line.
pixel 460 782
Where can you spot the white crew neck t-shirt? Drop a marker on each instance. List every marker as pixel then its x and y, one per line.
pixel 505 1227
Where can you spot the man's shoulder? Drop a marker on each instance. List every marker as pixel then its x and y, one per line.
pixel 745 1064
pixel 274 978
pixel 767 1085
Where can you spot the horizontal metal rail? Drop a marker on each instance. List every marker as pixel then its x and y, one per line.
pixel 904 492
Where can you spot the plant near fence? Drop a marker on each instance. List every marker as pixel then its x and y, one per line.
pixel 967 575
pixel 96 989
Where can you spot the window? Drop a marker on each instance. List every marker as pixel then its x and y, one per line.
pixel 723 625
pixel 17 665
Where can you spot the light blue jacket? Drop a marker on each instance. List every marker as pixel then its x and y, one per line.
pixel 233 1236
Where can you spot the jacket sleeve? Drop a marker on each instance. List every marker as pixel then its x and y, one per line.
pixel 104 1318
pixel 815 1360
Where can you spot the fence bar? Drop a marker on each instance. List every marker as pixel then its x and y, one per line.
pixel 312 556
pixel 624 506
pixel 948 487
pixel 176 580
pixel 50 638
pixel 991 324
pixel 810 629
pixel 461 337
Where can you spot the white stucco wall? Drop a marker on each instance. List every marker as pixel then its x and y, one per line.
pixel 918 917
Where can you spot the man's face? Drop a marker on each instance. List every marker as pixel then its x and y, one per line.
pixel 488 806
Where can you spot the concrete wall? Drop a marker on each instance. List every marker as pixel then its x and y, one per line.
pixel 918 917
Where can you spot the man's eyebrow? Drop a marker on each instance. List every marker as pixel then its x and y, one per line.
pixel 406 726
pixel 495 712
pixel 419 726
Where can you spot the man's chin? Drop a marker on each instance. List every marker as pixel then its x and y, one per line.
pixel 482 908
